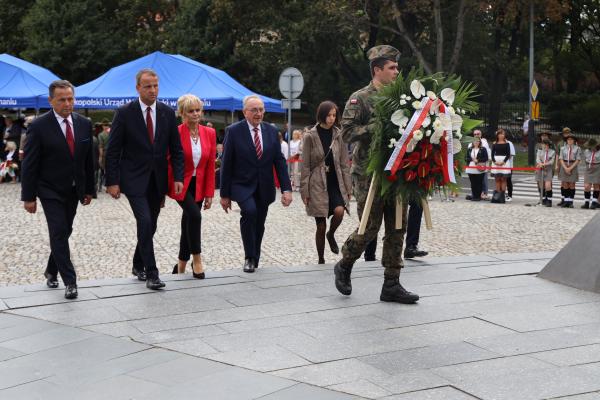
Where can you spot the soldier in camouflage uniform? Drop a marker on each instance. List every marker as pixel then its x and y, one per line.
pixel 357 129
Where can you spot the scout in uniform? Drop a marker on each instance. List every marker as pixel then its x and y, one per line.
pixel 545 161
pixel 592 173
pixel 569 158
pixel 357 128
pixel 565 132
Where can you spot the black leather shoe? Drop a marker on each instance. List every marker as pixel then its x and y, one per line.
pixel 249 265
pixel 370 259
pixel 175 269
pixel 594 205
pixel 393 291
pixel 333 246
pixel 141 275
pixel 51 280
pixel 586 205
pixel 342 279
pixel 155 284
pixel 71 291
pixel 413 251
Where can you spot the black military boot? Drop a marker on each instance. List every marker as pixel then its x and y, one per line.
pixel 393 291
pixel 342 278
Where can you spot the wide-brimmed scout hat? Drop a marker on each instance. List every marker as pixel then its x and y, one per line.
pixel 591 144
pixel 569 135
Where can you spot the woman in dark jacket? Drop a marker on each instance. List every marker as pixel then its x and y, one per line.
pixel 476 157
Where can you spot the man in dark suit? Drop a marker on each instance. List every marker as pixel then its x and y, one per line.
pixel 142 133
pixel 251 152
pixel 58 169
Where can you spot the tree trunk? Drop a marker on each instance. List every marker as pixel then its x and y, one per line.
pixel 439 33
pixel 458 41
pixel 405 35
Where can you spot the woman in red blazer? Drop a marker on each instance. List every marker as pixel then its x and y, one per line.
pixel 199 145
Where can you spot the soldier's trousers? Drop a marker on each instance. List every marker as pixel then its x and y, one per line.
pixel 393 238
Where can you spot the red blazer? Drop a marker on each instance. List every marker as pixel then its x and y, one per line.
pixel 205 171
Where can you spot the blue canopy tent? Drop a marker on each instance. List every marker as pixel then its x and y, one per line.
pixel 23 84
pixel 177 75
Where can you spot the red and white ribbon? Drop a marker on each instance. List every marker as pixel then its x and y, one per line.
pixel 415 123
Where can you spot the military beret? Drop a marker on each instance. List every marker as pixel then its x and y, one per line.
pixel 383 51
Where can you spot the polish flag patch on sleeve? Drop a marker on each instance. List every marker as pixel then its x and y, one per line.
pixel 353 101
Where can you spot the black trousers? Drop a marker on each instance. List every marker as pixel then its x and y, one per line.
pixel 413 229
pixel 145 210
pixel 59 216
pixel 476 185
pixel 509 185
pixel 252 225
pixel 191 219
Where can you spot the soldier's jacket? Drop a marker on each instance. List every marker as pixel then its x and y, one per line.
pixel 356 129
pixel 575 153
pixel 588 156
pixel 541 156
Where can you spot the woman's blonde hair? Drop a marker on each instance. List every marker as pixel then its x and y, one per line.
pixel 297 131
pixel 186 102
pixel 11 146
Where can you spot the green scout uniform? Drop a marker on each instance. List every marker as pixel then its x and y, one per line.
pixel 357 129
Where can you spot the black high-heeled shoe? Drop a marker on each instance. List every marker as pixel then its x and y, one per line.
pixel 201 275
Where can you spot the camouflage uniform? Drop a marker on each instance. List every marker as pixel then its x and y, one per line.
pixel 357 130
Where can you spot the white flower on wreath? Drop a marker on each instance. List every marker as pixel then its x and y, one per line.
pixel 437 125
pixel 417 135
pixel 428 132
pixel 417 89
pixel 392 143
pixel 458 135
pixel 456 146
pixel 417 105
pixel 431 95
pixel 457 122
pixel 446 121
pixel 411 146
pixel 426 122
pixel 399 119
pixel 451 110
pixel 403 96
pixel 435 138
pixel 447 95
pixel 402 102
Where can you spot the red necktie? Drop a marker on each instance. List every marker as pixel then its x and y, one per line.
pixel 149 124
pixel 69 136
pixel 257 144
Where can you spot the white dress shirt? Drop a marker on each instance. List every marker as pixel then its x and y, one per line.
pixel 63 126
pixel 196 153
pixel 259 134
pixel 284 149
pixel 144 107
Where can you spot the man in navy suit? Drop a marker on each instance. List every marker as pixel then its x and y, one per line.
pixel 58 169
pixel 251 152
pixel 143 132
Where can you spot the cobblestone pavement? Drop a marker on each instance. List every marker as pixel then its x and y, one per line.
pixel 103 240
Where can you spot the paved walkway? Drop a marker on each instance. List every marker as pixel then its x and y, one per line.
pixel 485 328
pixel 103 240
